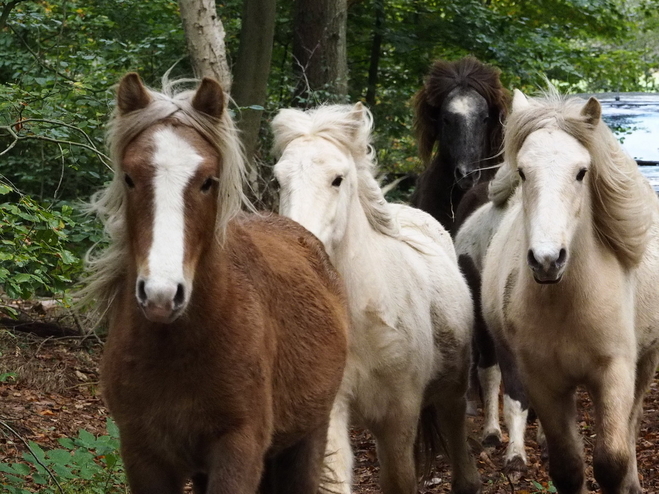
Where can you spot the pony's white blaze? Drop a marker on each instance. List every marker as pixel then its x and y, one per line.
pixel 463 105
pixel 175 162
pixel 551 160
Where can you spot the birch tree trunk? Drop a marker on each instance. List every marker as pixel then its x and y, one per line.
pixel 204 34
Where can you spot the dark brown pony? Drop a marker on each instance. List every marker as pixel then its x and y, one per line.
pixel 228 331
pixel 459 114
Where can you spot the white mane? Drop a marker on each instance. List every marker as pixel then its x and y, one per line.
pixel 350 129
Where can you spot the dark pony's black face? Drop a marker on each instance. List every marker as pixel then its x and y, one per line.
pixel 463 131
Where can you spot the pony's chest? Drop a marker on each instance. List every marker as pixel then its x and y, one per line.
pixel 573 333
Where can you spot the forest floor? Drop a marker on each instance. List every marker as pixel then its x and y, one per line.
pixel 52 390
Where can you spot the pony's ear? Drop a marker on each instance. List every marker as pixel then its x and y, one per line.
pixel 131 94
pixel 592 111
pixel 209 98
pixel 519 100
pixel 425 125
pixel 358 112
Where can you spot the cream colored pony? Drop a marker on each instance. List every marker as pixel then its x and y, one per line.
pixel 570 283
pixel 411 311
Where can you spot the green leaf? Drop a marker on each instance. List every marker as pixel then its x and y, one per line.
pixel 112 428
pixel 22 469
pixel 60 456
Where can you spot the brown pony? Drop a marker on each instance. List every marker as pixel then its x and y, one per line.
pixel 459 114
pixel 228 331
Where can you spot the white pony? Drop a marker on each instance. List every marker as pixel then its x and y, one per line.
pixel 570 283
pixel 472 242
pixel 411 311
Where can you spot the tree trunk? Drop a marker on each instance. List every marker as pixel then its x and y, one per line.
pixel 374 63
pixel 319 49
pixel 251 75
pixel 204 34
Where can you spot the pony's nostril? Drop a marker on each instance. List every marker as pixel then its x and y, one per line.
pixel 141 292
pixel 562 255
pixel 179 298
pixel 531 260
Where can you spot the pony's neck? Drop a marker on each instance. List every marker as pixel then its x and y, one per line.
pixel 358 241
pixel 440 195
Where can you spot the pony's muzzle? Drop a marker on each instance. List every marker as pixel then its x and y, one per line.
pixel 160 301
pixel 547 265
pixel 466 179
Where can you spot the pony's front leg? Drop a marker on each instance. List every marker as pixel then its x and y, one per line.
pixel 645 371
pixel 556 408
pixel 515 410
pixel 148 473
pixel 236 461
pixel 338 452
pixel 613 397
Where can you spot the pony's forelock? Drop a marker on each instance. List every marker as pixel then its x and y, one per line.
pixel 106 269
pixel 623 202
pixel 351 128
pixel 443 78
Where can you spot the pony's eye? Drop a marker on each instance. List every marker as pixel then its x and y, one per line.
pixel 581 174
pixel 486 119
pixel 129 181
pixel 208 183
pixel 521 174
pixel 337 181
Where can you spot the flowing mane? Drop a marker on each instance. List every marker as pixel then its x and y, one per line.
pixel 339 124
pixel 106 269
pixel 443 78
pixel 623 201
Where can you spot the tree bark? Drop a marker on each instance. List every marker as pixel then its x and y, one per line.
pixel 376 45
pixel 319 49
pixel 252 70
pixel 204 34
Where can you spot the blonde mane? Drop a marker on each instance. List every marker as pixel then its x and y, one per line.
pixel 623 202
pixel 106 269
pixel 349 128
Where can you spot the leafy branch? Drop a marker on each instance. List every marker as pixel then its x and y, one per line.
pixel 16 136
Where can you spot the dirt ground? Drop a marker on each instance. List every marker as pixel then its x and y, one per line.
pixel 53 392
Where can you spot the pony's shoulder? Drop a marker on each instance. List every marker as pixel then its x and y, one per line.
pixel 276 243
pixel 419 227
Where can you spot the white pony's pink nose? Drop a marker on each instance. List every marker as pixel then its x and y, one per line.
pixel 161 301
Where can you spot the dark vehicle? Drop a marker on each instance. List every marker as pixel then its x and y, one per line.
pixel 634 117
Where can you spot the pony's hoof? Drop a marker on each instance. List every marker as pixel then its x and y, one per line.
pixel 491 440
pixel 472 488
pixel 515 467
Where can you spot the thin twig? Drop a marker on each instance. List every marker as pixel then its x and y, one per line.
pixel 52 476
pixel 16 137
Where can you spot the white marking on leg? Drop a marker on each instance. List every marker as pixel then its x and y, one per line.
pixel 338 453
pixel 515 419
pixel 175 161
pixel 490 379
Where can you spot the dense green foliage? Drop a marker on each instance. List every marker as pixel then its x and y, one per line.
pixel 83 465
pixel 60 60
